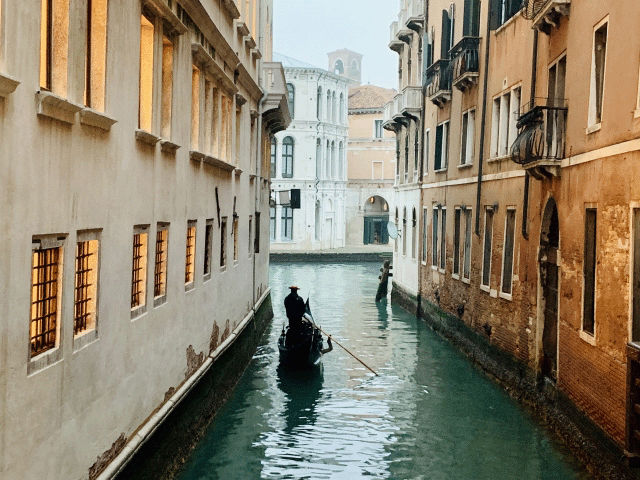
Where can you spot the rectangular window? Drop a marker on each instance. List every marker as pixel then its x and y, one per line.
pixel 167 86
pixel 456 241
pixel 208 247
pixel 235 238
pixel 377 129
pixel 506 108
pixel 273 157
pixel 377 171
pixel 195 108
pixel 487 248
pixel 223 242
pixel 54 46
pixel 190 257
pixel 425 160
pixel 272 224
pixel 508 254
pixel 598 66
pixel 257 235
pixel 249 241
pixel 46 289
pixel 160 268
pixel 145 108
pixel 468 135
pixel 442 146
pixel 139 271
pixel 466 254
pixel 287 157
pixel 96 54
pixel 414 235
pixel 434 239
pixel 635 324
pixel 424 235
pixel 404 233
pixel 443 239
pixel 86 283
pixel 287 224
pixel 589 271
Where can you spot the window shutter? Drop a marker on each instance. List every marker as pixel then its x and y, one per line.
pixel 495 7
pixel 446 31
pixel 437 164
pixel 471 21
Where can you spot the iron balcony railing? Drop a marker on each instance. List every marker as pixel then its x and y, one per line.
pixel 465 57
pixel 438 77
pixel 542 134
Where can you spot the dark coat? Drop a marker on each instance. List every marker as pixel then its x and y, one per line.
pixel 294 305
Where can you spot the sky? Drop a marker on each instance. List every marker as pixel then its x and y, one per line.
pixel 309 29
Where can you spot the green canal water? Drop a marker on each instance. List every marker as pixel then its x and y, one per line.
pixel 428 415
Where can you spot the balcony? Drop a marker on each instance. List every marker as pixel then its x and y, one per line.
pixel 416 14
pixel 392 119
pixel 438 82
pixel 395 43
pixel 540 145
pixel 404 32
pixel 466 62
pixel 411 102
pixel 546 14
pixel 275 109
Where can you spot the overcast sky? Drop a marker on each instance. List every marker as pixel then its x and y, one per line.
pixel 309 29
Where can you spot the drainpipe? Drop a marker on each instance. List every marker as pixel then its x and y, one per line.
pixel 483 121
pixel 527 177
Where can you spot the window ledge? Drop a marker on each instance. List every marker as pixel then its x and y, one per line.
pixel 238 172
pixel 499 158
pixel 206 277
pixel 52 106
pixel 93 118
pixel 465 165
pixel 168 146
pixel 242 28
pixel 189 286
pixel 8 85
pixel 44 360
pixel 506 296
pixel 466 280
pixel 232 8
pixel 594 128
pixel 138 312
pixel 223 269
pixel 440 170
pixel 455 276
pixel 196 156
pixel 255 53
pixel 249 42
pixel 161 9
pixel 147 137
pixel 485 288
pixel 636 113
pixel 84 339
pixel 216 162
pixel 159 301
pixel 587 337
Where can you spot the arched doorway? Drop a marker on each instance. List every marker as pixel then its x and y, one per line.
pixel 376 217
pixel 549 282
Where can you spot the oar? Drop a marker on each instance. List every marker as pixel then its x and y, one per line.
pixel 346 350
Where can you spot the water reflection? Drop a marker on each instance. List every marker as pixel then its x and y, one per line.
pixel 302 392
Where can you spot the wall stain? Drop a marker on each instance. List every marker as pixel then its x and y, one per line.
pixel 215 338
pixel 107 457
pixel 227 331
pixel 193 361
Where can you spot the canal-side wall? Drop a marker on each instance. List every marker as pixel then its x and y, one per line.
pixel 164 450
pixel 581 435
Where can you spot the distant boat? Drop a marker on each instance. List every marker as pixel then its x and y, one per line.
pixel 303 349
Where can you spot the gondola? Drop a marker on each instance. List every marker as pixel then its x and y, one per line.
pixel 303 348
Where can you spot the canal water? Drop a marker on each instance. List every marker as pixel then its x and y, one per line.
pixel 428 415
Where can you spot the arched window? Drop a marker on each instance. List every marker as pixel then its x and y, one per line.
pixel 338 67
pixel 404 231
pixel 341 161
pixel 342 108
pixel 328 118
pixel 274 144
pixel 319 106
pixel 327 162
pixel 395 243
pixel 318 159
pixel 414 238
pixel 292 98
pixel 333 160
pixel 334 109
pixel 287 157
pixel 406 156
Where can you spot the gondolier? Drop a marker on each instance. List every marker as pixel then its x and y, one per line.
pixel 294 305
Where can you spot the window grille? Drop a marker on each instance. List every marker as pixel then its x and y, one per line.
pixel 160 271
pixel 208 237
pixel 190 257
pixel 137 277
pixel 82 297
pixel 44 300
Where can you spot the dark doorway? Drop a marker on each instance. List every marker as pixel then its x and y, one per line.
pixel 549 275
pixel 376 217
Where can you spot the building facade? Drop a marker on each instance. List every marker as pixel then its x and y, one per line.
pixel 403 116
pixel 371 167
pixel 529 206
pixel 310 158
pixel 144 128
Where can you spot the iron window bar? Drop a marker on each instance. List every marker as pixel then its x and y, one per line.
pixel 44 306
pixel 136 282
pixel 159 288
pixel 465 57
pixel 188 271
pixel 82 287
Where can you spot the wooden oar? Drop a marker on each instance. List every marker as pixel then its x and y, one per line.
pixel 346 350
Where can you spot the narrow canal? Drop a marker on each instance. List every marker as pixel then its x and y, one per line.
pixel 428 415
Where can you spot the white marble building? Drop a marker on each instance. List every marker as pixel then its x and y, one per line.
pixel 310 156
